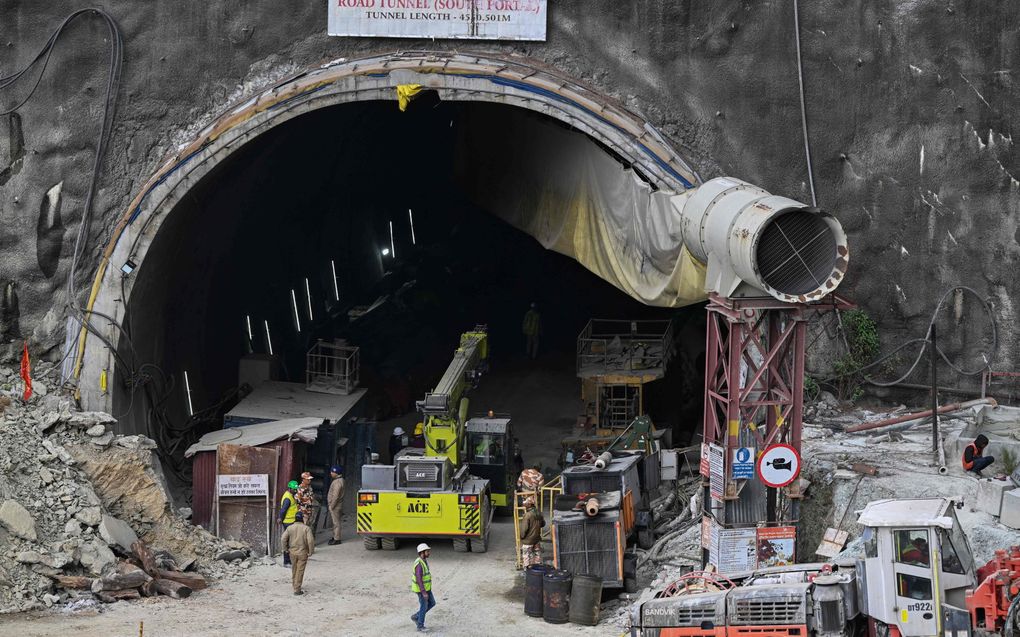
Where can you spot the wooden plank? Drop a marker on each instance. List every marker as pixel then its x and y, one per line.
pixel 172 589
pixel 194 581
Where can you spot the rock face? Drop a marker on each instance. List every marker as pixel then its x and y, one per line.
pixel 18 520
pixel 117 533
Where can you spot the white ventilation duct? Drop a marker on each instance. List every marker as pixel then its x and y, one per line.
pixel 756 243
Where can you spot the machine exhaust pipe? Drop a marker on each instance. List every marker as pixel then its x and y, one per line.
pixel 757 244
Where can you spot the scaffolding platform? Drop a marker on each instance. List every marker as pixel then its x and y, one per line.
pixel 624 352
pixel 332 368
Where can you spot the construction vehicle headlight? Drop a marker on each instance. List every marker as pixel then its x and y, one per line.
pixel 368 498
pixel 469 499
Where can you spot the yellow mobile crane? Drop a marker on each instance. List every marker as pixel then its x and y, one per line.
pixel 430 493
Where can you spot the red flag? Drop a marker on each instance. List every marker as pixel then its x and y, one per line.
pixel 26 373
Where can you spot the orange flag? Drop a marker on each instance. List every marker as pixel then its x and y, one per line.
pixel 26 373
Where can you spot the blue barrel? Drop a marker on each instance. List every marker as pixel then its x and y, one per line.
pixel 533 590
pixel 556 596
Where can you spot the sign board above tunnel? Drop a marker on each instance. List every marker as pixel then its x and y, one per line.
pixel 442 19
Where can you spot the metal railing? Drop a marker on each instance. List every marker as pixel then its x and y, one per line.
pixel 332 368
pixel 607 346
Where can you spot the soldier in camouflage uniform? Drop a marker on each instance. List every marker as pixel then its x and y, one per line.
pixel 306 499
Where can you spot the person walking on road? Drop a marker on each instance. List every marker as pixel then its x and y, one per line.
pixel 532 328
pixel 288 512
pixel 335 500
pixel 531 534
pixel 300 543
pixel 421 586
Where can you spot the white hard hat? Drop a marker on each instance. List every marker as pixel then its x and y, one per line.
pixel 398 431
pixel 424 547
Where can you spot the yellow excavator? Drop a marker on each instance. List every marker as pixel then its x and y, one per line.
pixel 431 492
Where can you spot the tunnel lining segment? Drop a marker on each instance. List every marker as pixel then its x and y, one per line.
pixel 456 77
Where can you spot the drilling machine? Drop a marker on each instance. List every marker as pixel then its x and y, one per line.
pixel 917 579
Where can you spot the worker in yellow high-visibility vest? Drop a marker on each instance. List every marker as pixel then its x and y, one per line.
pixel 421 586
pixel 288 512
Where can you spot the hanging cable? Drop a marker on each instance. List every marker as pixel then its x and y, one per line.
pixel 987 356
pixel 803 106
pixel 42 59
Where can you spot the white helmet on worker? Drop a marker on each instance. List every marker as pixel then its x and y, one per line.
pixel 398 431
pixel 424 547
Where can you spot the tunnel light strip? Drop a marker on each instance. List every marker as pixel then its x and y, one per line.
pixel 393 245
pixel 187 388
pixel 308 294
pixel 247 321
pixel 336 286
pixel 293 305
pixel 410 217
pixel 269 340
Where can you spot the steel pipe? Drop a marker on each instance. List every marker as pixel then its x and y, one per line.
pixel 868 426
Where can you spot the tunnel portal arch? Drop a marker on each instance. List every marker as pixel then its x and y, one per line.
pixel 513 81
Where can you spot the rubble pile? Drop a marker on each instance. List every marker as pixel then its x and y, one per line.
pixel 77 502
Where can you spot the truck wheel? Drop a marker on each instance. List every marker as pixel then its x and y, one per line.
pixel 390 543
pixel 461 546
pixel 481 544
pixel 371 543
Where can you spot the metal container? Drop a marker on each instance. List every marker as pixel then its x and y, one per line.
pixel 533 600
pixel 585 600
pixel 556 596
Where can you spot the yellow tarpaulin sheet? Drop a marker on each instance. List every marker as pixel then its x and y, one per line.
pixel 571 195
pixel 404 94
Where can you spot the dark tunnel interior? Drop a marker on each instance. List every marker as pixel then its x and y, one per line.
pixel 320 194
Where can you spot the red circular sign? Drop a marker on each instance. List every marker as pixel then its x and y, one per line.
pixel 778 465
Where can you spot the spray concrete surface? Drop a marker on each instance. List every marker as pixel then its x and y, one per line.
pixel 910 108
pixel 348 592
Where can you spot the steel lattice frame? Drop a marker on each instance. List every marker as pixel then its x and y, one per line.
pixel 754 379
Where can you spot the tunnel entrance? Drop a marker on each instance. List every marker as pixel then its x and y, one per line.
pixel 322 168
pixel 357 221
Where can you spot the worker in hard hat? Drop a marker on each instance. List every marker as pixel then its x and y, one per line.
pixel 288 512
pixel 973 458
pixel 419 436
pixel 335 500
pixel 421 586
pixel 306 498
pixel 531 534
pixel 299 541
pixel 532 329
pixel 397 442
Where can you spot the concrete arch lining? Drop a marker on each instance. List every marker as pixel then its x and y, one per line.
pixel 455 77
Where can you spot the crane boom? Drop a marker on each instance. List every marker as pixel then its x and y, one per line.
pixel 444 409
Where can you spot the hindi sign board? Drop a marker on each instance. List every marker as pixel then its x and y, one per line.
pixel 443 19
pixel 243 485
pixel 716 468
pixel 776 546
pixel 737 550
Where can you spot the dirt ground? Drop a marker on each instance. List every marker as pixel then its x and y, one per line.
pixel 349 591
